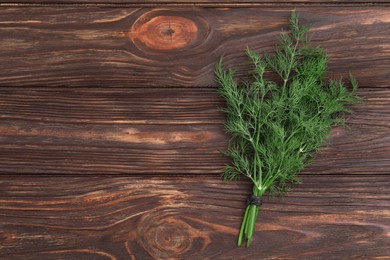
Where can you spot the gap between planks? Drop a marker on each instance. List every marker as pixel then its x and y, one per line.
pixel 199 4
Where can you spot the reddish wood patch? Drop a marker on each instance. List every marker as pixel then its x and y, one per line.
pixel 163 32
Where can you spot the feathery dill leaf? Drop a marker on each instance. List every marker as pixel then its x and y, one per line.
pixel 276 127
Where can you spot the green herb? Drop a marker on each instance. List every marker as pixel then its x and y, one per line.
pixel 277 126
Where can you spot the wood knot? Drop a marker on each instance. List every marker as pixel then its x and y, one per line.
pixel 164 32
pixel 169 31
pixel 165 236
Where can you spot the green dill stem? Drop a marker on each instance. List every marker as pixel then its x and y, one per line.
pixel 253 217
pixel 294 50
pixel 256 160
pixel 239 242
pixel 250 224
pixel 249 220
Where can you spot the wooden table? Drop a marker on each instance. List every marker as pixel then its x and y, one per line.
pixel 110 133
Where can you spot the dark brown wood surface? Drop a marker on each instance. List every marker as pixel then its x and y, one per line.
pixel 110 133
pixel 326 217
pixel 157 131
pixel 133 47
pixel 201 3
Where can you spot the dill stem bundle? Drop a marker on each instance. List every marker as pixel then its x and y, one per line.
pixel 277 126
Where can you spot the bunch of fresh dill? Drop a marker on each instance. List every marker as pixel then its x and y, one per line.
pixel 276 126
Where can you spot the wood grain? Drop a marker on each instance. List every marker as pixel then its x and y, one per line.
pixel 202 3
pixel 158 131
pixel 130 47
pixel 191 218
pixel 110 133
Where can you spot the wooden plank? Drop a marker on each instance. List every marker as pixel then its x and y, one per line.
pixel 203 3
pixel 191 218
pixel 88 46
pixel 158 131
pixel 118 131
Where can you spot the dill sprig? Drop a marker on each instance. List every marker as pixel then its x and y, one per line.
pixel 277 126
